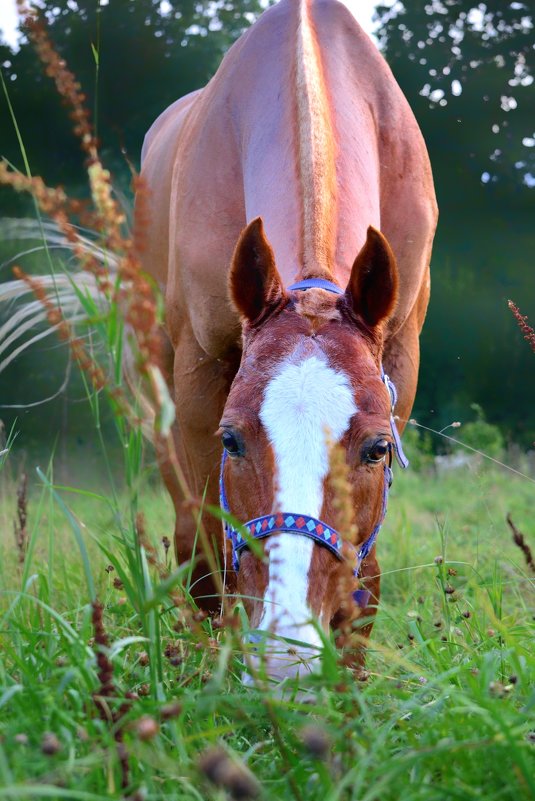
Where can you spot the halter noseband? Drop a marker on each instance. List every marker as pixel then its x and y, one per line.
pixel 315 529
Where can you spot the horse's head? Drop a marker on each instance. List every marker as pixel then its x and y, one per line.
pixel 310 376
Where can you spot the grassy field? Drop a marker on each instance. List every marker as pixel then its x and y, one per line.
pixel 155 709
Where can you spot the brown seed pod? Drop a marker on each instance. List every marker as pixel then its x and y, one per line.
pixel 229 774
pixel 147 728
pixel 316 741
pixel 171 710
pixel 50 744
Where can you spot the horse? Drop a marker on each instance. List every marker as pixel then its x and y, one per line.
pixel 292 218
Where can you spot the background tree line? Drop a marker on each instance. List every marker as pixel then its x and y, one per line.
pixel 467 71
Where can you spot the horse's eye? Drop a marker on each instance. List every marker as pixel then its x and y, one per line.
pixel 378 451
pixel 232 444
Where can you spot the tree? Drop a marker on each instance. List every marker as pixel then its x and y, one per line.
pixel 476 61
pixel 132 57
pixel 467 70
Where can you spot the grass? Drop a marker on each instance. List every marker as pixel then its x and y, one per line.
pixel 447 711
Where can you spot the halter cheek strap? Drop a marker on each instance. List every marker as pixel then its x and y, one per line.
pixel 304 525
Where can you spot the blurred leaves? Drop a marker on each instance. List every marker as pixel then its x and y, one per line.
pixel 477 60
pixel 133 59
pixel 467 70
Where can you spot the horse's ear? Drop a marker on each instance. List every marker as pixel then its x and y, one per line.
pixel 373 286
pixel 255 284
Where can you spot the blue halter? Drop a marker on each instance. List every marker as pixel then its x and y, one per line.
pixel 317 530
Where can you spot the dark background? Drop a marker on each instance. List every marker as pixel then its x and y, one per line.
pixel 468 75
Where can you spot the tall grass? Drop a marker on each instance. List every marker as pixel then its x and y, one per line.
pixel 114 685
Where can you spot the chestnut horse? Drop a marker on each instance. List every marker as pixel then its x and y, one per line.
pixel 300 144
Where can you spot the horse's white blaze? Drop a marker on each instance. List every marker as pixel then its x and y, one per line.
pixel 306 406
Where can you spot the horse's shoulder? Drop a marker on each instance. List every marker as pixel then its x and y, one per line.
pixel 168 120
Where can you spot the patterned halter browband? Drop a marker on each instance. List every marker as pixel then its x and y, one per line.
pixel 317 530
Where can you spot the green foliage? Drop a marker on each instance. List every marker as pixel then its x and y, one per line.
pixel 483 436
pixel 468 66
pixel 481 254
pixel 132 59
pixel 418 447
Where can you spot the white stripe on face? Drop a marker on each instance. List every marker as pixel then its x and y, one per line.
pixel 306 405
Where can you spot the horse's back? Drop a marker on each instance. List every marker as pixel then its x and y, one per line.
pixel 239 158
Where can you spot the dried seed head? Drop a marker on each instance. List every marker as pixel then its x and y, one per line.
pixel 82 734
pixel 50 744
pixel 143 658
pixel 20 525
pixel 316 741
pixel 147 728
pixel 228 774
pixel 21 739
pixel 438 560
pixel 139 795
pixel 467 614
pixel 338 479
pixel 522 320
pixel 170 711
